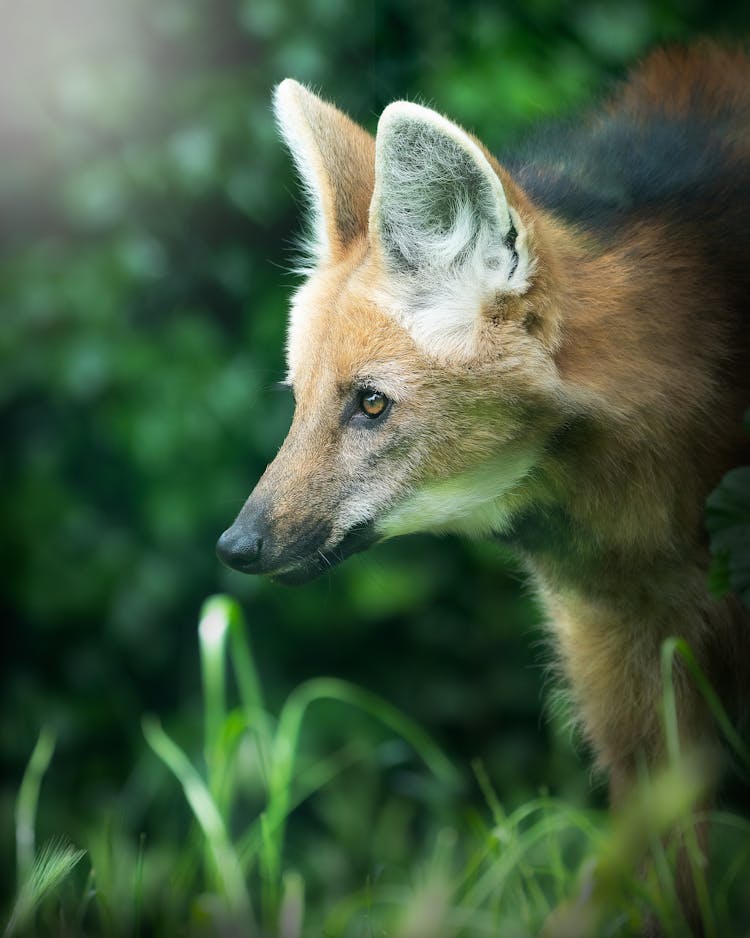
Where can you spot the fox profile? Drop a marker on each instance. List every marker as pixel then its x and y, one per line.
pixel 551 351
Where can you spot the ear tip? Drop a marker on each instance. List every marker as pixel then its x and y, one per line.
pixel 286 91
pixel 403 114
pixel 398 111
pixel 291 100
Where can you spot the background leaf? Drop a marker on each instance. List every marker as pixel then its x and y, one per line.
pixel 728 521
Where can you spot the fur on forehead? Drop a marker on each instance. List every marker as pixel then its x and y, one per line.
pixel 336 330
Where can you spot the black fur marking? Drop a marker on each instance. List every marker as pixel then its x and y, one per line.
pixel 601 173
pixel 510 243
pixel 357 539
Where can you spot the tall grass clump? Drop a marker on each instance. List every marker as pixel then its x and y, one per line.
pixel 468 865
pixel 223 638
pixel 39 873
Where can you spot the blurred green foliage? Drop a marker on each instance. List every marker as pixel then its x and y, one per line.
pixel 547 867
pixel 147 211
pixel 728 523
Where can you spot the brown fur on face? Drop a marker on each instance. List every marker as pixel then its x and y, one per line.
pixel 342 470
pixel 566 364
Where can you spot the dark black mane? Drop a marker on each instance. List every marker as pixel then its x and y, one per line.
pixel 605 171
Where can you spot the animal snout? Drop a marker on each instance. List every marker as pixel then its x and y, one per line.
pixel 241 547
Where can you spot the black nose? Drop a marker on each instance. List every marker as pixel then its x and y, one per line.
pixel 240 548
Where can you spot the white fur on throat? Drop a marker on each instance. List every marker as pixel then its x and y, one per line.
pixel 440 214
pixel 473 503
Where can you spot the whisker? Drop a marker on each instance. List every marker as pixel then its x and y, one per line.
pixel 326 559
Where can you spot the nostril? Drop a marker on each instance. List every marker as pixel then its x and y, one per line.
pixel 239 550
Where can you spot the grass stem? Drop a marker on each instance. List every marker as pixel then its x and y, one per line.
pixel 28 801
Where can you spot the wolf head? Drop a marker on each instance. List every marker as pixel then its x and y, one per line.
pixel 420 346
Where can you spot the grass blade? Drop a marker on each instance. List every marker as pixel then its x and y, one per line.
pixel 53 863
pixel 285 750
pixel 248 682
pixel 222 620
pixel 669 650
pixel 292 912
pixel 207 815
pixel 27 802
pixel 212 633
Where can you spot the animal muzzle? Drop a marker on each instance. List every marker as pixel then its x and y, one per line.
pixel 261 542
pixel 290 551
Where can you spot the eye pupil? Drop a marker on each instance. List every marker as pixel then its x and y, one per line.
pixel 372 403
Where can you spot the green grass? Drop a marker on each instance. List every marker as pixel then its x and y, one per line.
pixel 423 861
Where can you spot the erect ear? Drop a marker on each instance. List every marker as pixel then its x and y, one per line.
pixel 439 211
pixel 336 160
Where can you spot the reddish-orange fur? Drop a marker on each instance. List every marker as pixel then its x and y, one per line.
pixel 619 373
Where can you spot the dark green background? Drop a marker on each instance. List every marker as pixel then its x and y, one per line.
pixel 147 212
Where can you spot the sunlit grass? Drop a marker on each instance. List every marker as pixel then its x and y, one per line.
pixel 52 864
pixel 26 804
pixel 468 873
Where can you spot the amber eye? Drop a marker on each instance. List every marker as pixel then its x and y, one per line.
pixel 372 402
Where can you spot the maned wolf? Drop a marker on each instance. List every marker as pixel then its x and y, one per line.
pixel 551 351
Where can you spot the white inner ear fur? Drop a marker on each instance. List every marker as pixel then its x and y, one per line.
pixel 441 218
pixel 297 135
